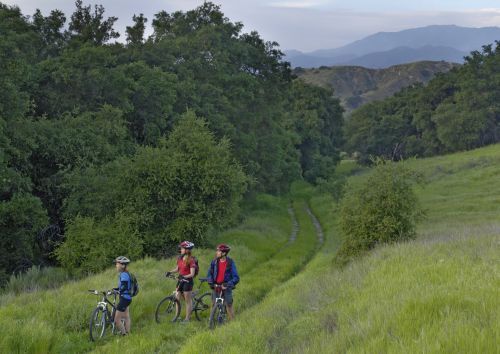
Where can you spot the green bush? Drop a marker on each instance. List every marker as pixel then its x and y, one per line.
pixel 21 217
pixel 91 245
pixel 382 209
pixel 181 189
pixel 36 279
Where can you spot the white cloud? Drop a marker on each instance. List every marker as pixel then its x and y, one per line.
pixel 299 24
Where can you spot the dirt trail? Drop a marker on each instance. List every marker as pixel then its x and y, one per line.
pixel 317 226
pixel 295 225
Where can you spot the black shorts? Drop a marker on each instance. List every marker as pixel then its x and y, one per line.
pixel 123 304
pixel 185 285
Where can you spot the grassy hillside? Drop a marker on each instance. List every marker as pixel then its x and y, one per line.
pixel 356 85
pixel 438 293
pixel 57 320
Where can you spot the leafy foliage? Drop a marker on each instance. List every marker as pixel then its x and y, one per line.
pixel 92 245
pixel 87 126
pixel 20 219
pixel 456 111
pixel 172 192
pixel 383 209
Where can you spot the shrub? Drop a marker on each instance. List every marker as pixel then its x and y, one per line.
pixel 37 278
pixel 21 217
pixel 181 189
pixel 92 245
pixel 383 209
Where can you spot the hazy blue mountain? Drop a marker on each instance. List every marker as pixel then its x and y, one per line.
pixel 402 55
pixel 458 40
pixel 290 53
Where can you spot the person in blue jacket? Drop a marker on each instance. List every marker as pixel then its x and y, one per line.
pixel 223 272
pixel 122 315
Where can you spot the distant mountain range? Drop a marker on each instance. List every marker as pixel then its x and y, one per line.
pixel 355 85
pixel 381 50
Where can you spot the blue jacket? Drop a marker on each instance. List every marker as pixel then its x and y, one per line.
pixel 124 285
pixel 231 277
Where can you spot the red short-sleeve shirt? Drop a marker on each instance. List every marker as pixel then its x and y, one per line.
pixel 185 269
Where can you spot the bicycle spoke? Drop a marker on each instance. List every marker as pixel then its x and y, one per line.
pixel 97 324
pixel 201 305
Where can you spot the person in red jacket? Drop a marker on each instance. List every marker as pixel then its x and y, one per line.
pixel 186 267
pixel 223 272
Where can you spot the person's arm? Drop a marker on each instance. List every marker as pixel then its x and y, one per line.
pixel 235 278
pixel 123 284
pixel 210 276
pixel 191 274
pixel 175 270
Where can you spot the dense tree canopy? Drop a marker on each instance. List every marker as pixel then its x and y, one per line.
pixel 456 111
pixel 88 139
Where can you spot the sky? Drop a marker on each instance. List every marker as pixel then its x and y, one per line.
pixel 304 25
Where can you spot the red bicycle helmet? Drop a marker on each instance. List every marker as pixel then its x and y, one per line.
pixel 223 248
pixel 187 245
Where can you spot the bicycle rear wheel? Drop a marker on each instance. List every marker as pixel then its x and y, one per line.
pixel 97 324
pixel 168 309
pixel 202 304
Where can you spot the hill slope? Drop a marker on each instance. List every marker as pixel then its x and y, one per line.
pixel 435 294
pixel 355 85
pixel 438 293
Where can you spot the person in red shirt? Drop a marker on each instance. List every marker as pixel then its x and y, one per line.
pixel 186 267
pixel 222 271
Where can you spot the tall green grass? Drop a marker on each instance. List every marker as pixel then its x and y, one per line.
pixel 261 328
pixel 56 321
pixel 437 294
pixel 259 277
pixel 35 279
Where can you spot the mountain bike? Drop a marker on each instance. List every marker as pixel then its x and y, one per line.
pixel 169 308
pixel 218 312
pixel 103 316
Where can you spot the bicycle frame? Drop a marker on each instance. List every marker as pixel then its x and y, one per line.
pixel 199 299
pixel 218 312
pixel 105 301
pixel 194 292
pixel 103 304
pixel 219 299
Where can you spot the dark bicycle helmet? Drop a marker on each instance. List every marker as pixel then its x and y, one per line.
pixel 187 245
pixel 122 260
pixel 223 248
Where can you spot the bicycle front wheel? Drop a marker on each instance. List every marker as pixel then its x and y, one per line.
pixel 168 309
pixel 202 304
pixel 217 316
pixel 97 324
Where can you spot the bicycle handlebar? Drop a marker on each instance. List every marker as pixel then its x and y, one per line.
pixel 171 276
pixel 104 292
